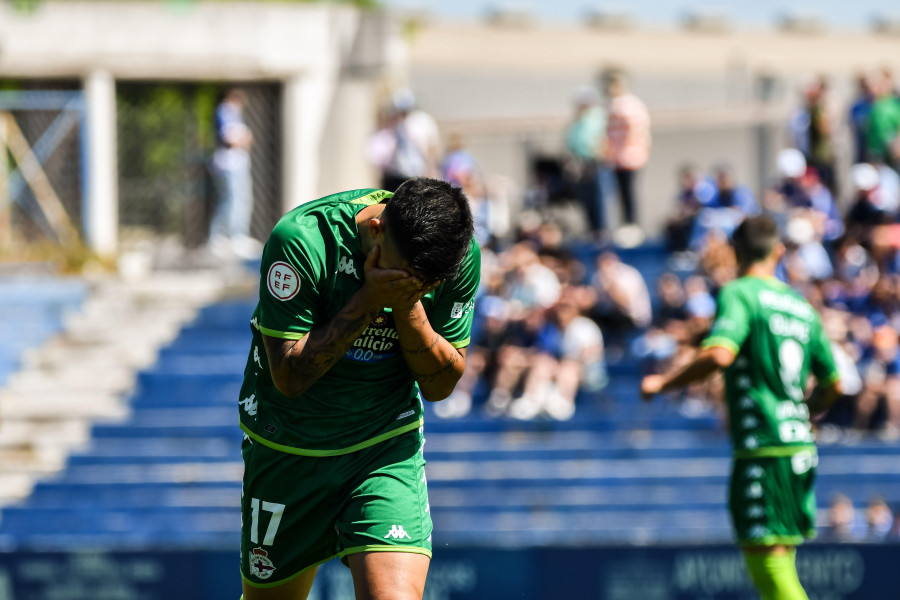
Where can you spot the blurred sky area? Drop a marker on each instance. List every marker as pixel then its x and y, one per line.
pixel 756 13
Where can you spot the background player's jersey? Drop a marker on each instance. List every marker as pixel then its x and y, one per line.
pixel 312 265
pixel 778 341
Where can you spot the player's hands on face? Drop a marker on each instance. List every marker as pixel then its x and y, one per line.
pixel 650 386
pixel 391 287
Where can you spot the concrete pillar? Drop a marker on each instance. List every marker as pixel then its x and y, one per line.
pixel 101 201
pixel 307 103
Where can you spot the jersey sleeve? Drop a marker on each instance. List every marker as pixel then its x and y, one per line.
pixel 288 288
pixel 823 364
pixel 732 323
pixel 454 302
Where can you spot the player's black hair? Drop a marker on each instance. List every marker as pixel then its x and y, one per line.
pixel 431 224
pixel 754 239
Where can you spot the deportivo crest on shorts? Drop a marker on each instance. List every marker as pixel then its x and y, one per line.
pixel 260 565
pixel 283 280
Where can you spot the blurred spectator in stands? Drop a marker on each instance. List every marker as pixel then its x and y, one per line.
pixel 884 123
pixel 627 150
pixel 568 357
pixel 879 519
pixel 694 192
pixel 529 290
pixel 229 232
pixel 881 367
pixel 806 259
pixel 800 188
pixel 699 303
pixel 531 284
pixel 513 358
pixel 723 209
pixel 585 139
pixel 844 523
pixel 622 300
pixel 846 355
pixel 407 143
pixel 671 298
pixel 860 110
pixel 489 203
pixel 864 212
pixel 820 154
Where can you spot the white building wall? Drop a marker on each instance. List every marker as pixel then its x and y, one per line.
pixel 309 47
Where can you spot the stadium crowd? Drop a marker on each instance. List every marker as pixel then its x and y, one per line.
pixel 551 316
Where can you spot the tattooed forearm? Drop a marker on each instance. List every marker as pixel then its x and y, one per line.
pixel 325 346
pixel 422 347
pixel 297 365
pixel 429 377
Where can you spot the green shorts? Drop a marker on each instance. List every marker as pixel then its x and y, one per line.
pixel 772 500
pixel 299 511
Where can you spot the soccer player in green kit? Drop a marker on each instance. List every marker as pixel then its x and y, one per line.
pixel 768 340
pixel 365 304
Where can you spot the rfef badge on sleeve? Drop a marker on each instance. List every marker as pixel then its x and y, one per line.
pixel 283 281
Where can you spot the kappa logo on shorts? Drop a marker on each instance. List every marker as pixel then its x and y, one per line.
pixel 397 532
pixel 250 404
pixel 283 281
pixel 260 564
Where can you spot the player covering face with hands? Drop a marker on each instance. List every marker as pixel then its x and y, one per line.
pixel 768 341
pixel 365 308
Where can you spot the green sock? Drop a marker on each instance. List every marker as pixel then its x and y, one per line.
pixel 775 576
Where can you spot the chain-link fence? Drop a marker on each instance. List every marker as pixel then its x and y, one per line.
pixel 166 139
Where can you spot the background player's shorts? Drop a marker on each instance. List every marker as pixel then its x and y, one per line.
pixel 300 511
pixel 772 499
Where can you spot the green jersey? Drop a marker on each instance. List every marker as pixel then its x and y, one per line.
pixel 312 265
pixel 778 340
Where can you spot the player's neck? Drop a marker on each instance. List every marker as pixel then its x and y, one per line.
pixel 762 270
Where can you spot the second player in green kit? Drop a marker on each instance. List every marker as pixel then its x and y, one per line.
pixel 768 340
pixel 365 307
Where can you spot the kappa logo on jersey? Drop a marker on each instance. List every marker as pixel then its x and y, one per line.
pixel 250 404
pixel 346 266
pixel 260 564
pixel 397 532
pixel 283 281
